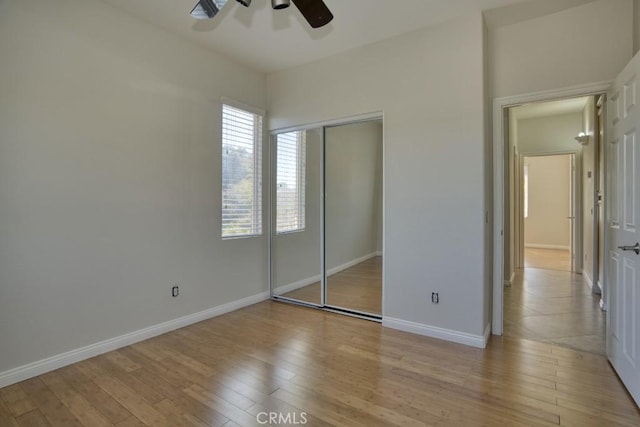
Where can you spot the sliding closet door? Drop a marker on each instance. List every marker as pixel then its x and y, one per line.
pixel 296 212
pixel 353 216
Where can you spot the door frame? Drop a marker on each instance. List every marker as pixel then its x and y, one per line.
pixel 499 107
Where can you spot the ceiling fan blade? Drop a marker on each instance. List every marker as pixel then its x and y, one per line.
pixel 315 12
pixel 207 9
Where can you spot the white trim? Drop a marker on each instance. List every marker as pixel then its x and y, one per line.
pixel 545 246
pixel 511 279
pixel 499 105
pixel 435 332
pixel 49 364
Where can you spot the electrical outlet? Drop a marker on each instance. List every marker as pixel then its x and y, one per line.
pixel 435 297
pixel 175 291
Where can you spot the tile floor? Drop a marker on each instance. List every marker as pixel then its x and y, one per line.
pixel 556 307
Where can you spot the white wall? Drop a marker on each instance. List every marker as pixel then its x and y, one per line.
pixel 429 84
pixel 110 178
pixel 547 224
pixel 353 194
pixel 546 135
pixel 585 44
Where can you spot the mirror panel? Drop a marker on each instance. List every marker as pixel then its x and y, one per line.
pixel 296 241
pixel 353 216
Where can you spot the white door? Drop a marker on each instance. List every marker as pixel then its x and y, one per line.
pixel 623 157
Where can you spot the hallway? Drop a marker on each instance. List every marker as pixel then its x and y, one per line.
pixel 556 307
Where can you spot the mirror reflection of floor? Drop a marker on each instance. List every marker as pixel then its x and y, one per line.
pixel 356 288
pixel 554 306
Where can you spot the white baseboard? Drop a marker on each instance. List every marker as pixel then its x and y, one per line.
pixel 543 246
pixel 310 280
pixel 509 282
pixel 49 364
pixel 479 341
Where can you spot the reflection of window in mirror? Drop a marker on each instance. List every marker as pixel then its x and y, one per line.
pixel 526 191
pixel 290 179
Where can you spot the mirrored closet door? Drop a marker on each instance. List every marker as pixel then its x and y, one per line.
pixel 326 217
pixel 353 216
pixel 296 214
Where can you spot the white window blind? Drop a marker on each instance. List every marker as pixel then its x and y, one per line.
pixel 290 189
pixel 241 173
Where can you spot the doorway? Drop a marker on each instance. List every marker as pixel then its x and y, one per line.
pixel 326 234
pixel 548 213
pixel 550 246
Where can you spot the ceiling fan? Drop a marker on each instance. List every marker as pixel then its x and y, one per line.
pixel 314 11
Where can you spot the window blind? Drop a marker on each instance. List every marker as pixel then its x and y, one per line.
pixel 290 189
pixel 241 173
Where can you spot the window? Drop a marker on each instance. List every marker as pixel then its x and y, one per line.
pixel 241 173
pixel 290 179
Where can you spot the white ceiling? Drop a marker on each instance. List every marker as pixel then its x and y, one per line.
pixel 551 108
pixel 269 40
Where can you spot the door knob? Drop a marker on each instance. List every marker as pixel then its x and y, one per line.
pixel 635 248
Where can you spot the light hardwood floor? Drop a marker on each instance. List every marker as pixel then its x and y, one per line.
pixel 356 288
pixel 337 370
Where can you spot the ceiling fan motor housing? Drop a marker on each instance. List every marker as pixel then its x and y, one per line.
pixel 280 4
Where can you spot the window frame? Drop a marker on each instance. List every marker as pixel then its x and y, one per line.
pixel 257 224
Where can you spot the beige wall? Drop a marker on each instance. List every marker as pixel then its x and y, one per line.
pixel 563 49
pixel 433 108
pixel 110 178
pixel 547 225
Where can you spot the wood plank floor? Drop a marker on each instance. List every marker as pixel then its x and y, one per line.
pixel 334 370
pixel 356 288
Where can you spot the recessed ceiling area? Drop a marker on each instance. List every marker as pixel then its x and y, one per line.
pixel 268 40
pixel 550 108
